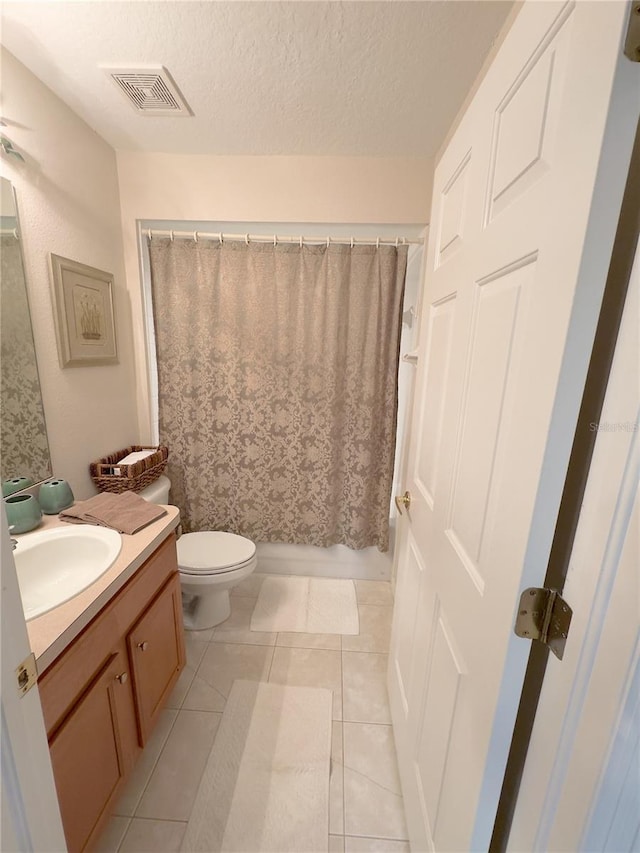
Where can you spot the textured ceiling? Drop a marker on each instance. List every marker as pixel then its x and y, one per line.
pixel 297 78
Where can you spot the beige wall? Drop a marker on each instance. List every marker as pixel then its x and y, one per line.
pixel 68 204
pixel 260 189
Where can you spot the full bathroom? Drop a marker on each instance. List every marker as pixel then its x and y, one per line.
pixel 219 470
pixel 72 197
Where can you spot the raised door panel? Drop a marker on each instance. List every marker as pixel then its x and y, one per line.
pixel 497 319
pixel 411 631
pixel 446 672
pixel 526 119
pixel 452 213
pixel 88 756
pixel 156 650
pixel 436 374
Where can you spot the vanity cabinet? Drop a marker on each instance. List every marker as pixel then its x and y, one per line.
pixel 154 652
pixel 102 696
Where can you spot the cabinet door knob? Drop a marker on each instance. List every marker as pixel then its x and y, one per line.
pixel 122 677
pixel 143 646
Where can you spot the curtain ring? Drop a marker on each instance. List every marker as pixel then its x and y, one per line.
pixel 352 242
pixel 377 242
pixel 220 238
pixel 275 239
pixel 15 234
pixel 396 242
pixel 328 241
pixel 171 235
pixel 149 234
pixel 301 241
pixel 246 239
pixel 195 236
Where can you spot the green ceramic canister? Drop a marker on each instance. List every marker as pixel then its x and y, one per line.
pixel 23 513
pixel 54 496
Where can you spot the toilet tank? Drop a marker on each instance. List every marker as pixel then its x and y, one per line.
pixel 158 491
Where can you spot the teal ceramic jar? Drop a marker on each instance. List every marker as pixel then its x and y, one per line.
pixel 15 484
pixel 23 513
pixel 54 496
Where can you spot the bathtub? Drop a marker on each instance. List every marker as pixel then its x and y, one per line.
pixel 335 562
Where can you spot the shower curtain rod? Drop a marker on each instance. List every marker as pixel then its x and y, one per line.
pixel 274 238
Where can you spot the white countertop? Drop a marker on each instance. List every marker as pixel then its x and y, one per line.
pixel 52 632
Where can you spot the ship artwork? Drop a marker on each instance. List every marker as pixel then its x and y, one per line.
pixel 84 313
pixel 90 318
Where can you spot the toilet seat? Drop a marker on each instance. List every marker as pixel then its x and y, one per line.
pixel 213 553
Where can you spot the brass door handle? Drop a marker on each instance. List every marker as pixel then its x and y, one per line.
pixel 143 646
pixel 122 677
pixel 403 501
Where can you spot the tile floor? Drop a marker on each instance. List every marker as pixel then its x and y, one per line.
pixel 365 813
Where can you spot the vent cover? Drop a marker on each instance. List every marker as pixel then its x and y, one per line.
pixel 151 91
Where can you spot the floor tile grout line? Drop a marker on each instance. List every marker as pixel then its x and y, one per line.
pixel 161 819
pixel 215 689
pixel 344 799
pixel 191 680
pixel 273 654
pixel 375 837
pixel 366 722
pixel 175 820
pixel 374 782
pixel 312 648
pixel 124 834
pixel 341 688
pixel 155 763
pixel 351 652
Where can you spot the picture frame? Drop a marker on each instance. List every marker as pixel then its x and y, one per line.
pixel 84 315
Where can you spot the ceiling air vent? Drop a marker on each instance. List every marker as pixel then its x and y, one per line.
pixel 151 90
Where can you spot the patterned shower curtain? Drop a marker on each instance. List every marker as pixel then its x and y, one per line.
pixel 277 375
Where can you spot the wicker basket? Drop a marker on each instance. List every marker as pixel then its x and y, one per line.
pixel 110 477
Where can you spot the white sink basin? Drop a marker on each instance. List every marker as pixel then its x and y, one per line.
pixel 54 565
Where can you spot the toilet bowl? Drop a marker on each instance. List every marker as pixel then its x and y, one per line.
pixel 210 564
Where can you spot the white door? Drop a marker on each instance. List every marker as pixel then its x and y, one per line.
pixel 30 814
pixel 525 204
pixel 581 784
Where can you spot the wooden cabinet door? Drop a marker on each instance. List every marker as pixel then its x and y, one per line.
pixel 89 751
pixel 156 650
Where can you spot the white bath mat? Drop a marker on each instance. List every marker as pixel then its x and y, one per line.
pixel 266 784
pixel 309 605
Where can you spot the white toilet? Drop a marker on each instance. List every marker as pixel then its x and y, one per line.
pixel 210 564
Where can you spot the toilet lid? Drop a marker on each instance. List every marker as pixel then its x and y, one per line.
pixel 213 551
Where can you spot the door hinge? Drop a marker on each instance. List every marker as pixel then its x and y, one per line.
pixel 27 674
pixel 545 616
pixel 632 41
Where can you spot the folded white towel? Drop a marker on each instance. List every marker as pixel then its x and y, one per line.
pixel 136 456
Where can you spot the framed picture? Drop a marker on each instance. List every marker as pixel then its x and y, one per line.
pixel 85 327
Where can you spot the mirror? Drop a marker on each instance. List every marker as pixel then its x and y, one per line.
pixel 24 447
